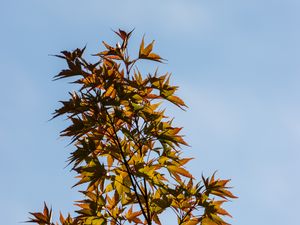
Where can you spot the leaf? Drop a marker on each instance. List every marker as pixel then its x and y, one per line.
pixel 61 218
pixel 122 34
pixel 176 100
pixel 180 171
pixel 108 46
pixel 141 47
pixel 185 161
pixel 42 218
pixel 133 216
pixel 146 53
pixel 223 193
pixel 137 107
pixel 110 161
pixel 148 49
pixel 154 57
pixel 111 92
pixel 120 183
pixel 207 221
pixel 156 219
pixel 223 212
pixel 192 221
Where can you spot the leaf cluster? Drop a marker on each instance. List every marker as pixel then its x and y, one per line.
pixel 127 152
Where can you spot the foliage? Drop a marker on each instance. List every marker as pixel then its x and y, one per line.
pixel 127 151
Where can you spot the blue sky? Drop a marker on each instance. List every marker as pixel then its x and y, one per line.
pixel 237 65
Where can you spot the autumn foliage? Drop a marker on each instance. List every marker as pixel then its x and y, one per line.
pixel 127 152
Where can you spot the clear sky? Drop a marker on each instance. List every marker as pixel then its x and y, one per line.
pixel 237 65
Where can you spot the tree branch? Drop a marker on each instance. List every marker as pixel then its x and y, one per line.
pixel 131 176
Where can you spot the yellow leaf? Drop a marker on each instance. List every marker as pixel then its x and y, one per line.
pixel 191 222
pixel 109 188
pixel 207 221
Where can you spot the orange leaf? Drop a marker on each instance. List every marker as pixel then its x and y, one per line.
pixel 148 49
pixel 180 170
pixel 176 100
pixel 185 161
pixel 155 57
pixel 110 161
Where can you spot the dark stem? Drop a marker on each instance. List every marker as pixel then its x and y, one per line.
pixel 188 212
pixel 144 179
pixel 131 176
